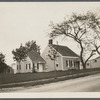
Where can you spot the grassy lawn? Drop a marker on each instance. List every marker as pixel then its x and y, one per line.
pixel 14 78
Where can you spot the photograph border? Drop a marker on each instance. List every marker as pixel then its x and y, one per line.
pixel 88 96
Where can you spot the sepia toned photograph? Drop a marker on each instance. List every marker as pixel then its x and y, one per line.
pixel 50 47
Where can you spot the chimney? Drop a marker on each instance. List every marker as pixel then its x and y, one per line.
pixel 50 41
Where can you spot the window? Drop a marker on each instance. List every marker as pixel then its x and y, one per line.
pixel 37 66
pixel 70 63
pixel 49 51
pixel 56 65
pixel 74 64
pixel 26 66
pixel 95 60
pixel 29 66
pixel 66 63
pixel 87 64
pixel 17 67
pixel 20 67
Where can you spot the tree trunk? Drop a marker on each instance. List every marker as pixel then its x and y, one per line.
pixel 82 60
pixel 33 70
pixel 84 66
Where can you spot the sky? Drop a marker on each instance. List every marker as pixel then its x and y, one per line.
pixel 25 21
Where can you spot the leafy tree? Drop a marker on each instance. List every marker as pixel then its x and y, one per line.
pixel 31 45
pixel 79 28
pixel 19 53
pixel 94 24
pixel 3 65
pixel 2 58
pixel 53 54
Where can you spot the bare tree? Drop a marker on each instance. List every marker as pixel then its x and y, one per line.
pixel 78 28
pixel 53 54
pixel 94 24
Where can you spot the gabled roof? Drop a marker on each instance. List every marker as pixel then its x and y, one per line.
pixel 64 50
pixel 35 57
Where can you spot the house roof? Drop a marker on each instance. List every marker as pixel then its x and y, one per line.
pixel 35 57
pixel 64 50
pixel 97 57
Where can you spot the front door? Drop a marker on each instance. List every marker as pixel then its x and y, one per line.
pixel 78 65
pixel 40 67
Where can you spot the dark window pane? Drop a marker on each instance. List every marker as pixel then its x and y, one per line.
pixel 17 67
pixel 29 66
pixel 56 65
pixel 26 66
pixel 66 63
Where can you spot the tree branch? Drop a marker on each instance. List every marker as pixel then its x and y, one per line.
pixel 92 53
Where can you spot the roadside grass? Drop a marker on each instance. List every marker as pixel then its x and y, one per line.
pixel 25 77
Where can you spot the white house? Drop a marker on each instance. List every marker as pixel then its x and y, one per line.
pixel 14 67
pixel 94 63
pixel 32 63
pixel 66 58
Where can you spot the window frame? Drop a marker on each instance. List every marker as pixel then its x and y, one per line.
pixel 57 65
pixel 67 63
pixel 26 66
pixel 29 66
pixel 17 67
